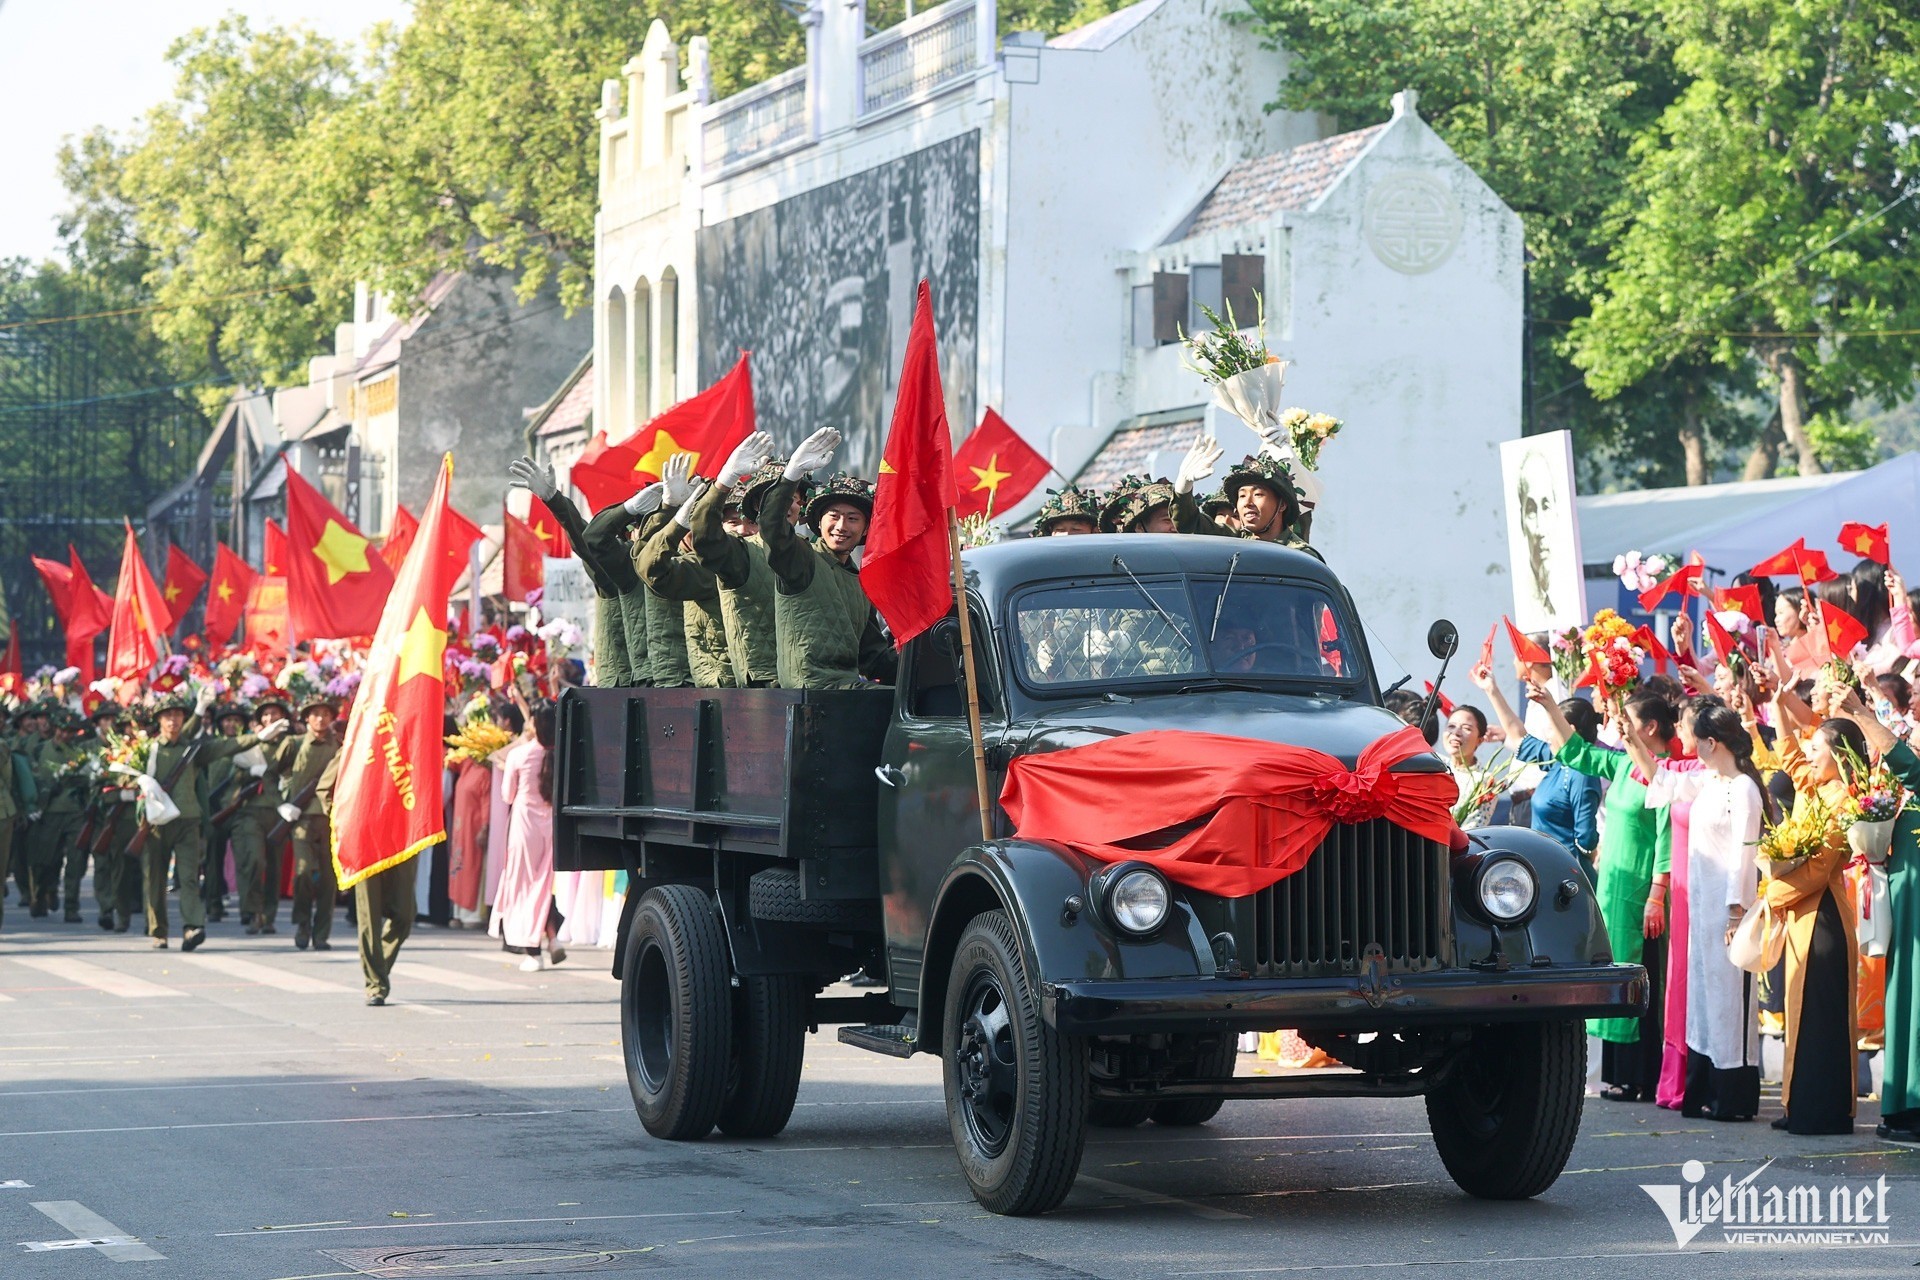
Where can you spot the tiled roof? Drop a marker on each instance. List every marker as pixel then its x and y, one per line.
pixel 573 408
pixel 1131 450
pixel 1257 189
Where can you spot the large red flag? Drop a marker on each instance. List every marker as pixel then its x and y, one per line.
pixel 995 468
pixel 184 580
pixel 59 581
pixel 387 804
pixel 89 612
pixel 554 543
pixel 335 587
pixel 273 554
pixel 227 600
pixel 707 425
pixel 393 548
pixel 606 473
pixel 908 569
pixel 1868 541
pixel 524 569
pixel 140 615
pixel 12 671
pixel 268 630
pixel 1782 563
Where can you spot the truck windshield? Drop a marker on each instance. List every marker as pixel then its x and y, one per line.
pixel 1161 629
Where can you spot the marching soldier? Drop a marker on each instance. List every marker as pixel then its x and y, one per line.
pixel 111 816
pixel 58 776
pixel 723 523
pixel 828 632
pixel 33 729
pixel 14 800
pixel 301 763
pixel 178 760
pixel 612 666
pixel 1067 511
pixel 224 778
pixel 255 866
pixel 670 570
pixel 384 906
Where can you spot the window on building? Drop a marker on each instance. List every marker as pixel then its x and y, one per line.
pixel 640 405
pixel 1143 316
pixel 616 330
pixel 1169 306
pixel 1243 276
pixel 669 337
pixel 1203 290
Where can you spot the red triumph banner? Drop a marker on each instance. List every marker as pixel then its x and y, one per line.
pixel 908 568
pixel 337 583
pixel 140 615
pixel 184 580
pixel 233 578
pixel 387 804
pixel 995 468
pixel 393 548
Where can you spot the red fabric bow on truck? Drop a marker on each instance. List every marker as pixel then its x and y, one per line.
pixel 1262 807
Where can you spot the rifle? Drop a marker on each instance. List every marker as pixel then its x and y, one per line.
pixel 139 841
pixel 300 802
pixel 249 792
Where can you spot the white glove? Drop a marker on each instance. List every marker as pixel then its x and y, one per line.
pixel 684 516
pixel 1198 464
pixel 288 813
pixel 204 700
pixel 128 795
pixel 258 771
pixel 747 457
pixel 814 453
pixel 274 730
pixel 677 475
pixel 647 501
pixel 536 477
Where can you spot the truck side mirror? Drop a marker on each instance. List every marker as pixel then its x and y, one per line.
pixel 1442 639
pixel 946 635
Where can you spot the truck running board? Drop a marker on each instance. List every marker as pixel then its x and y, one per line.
pixel 894 1041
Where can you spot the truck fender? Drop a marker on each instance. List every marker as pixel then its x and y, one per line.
pixel 1031 881
pixel 1565 927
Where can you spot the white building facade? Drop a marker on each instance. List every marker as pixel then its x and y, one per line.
pixel 1074 201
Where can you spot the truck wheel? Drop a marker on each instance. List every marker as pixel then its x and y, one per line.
pixel 1505 1120
pixel 1016 1088
pixel 1217 1062
pixel 769 1040
pixel 676 1026
pixel 1110 1113
pixel 774 894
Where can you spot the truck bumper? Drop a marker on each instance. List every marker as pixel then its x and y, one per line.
pixel 1359 1003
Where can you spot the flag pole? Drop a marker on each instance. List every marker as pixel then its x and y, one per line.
pixel 973 684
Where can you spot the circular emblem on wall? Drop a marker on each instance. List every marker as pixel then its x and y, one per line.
pixel 1412 222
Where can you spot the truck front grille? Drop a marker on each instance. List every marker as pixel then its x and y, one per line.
pixel 1371 884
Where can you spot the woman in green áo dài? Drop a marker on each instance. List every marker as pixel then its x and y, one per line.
pixel 1633 861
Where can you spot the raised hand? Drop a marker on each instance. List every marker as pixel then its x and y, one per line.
pixel 1482 677
pixel 647 501
pixel 814 453
pixel 677 475
pixel 747 457
pixel 537 477
pixel 1199 463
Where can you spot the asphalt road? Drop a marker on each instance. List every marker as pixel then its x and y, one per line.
pixel 239 1112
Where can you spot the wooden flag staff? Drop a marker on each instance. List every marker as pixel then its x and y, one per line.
pixel 973 684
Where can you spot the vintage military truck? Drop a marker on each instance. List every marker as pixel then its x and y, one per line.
pixel 775 840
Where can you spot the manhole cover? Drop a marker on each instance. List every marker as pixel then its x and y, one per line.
pixel 483 1260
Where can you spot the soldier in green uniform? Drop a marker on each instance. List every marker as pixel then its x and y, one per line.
pixel 604 543
pixel 1261 490
pixel 178 759
pixel 223 784
pixel 611 664
pixel 255 867
pixel 828 632
pixel 301 763
pixel 107 801
pixel 628 527
pixel 1067 511
pixel 671 571
pixel 723 523
pixel 1138 505
pixel 16 797
pixel 58 776
pixel 35 730
pixel 384 906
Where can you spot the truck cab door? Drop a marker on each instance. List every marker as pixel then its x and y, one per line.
pixel 929 805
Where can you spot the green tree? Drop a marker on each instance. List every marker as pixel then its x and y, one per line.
pixel 1543 98
pixel 1770 220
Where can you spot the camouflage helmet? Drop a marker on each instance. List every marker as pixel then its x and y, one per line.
pixel 175 700
pixel 1266 470
pixel 840 487
pixel 1070 503
pixel 1131 500
pixel 318 701
pixel 227 710
pixel 1215 504
pixel 274 698
pixel 755 489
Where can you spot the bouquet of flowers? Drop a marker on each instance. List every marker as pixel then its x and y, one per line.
pixel 1225 352
pixel 977 531
pixel 1638 572
pixel 1786 845
pixel 1874 800
pixel 1608 648
pixel 1568 660
pixel 477 740
pixel 1309 431
pixel 1484 785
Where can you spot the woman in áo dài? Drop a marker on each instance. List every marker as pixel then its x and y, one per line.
pixel 1633 863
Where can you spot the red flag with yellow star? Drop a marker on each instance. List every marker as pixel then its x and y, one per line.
pixel 273 552
pixel 524 568
pixel 606 473
pixel 227 598
pixel 1868 541
pixel 707 425
pixel 554 543
pixel 140 615
pixel 393 548
pixel 387 804
pixel 184 580
pixel 994 468
pixel 336 581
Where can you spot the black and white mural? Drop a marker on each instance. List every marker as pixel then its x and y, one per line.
pixel 820 287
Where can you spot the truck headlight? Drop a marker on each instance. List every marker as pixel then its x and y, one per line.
pixel 1506 888
pixel 1136 898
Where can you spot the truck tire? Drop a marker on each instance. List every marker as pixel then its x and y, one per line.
pixel 676 1023
pixel 1217 1062
pixel 769 1040
pixel 1504 1121
pixel 774 894
pixel 1016 1088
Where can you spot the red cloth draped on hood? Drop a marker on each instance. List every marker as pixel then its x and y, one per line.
pixel 1263 807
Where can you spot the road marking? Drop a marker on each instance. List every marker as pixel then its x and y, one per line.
pixel 14 1184
pixel 1136 1195
pixel 267 975
pixel 482 1222
pixel 434 975
pixel 93 1232
pixel 99 977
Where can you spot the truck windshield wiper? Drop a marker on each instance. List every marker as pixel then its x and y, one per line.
pixel 1209 686
pixel 1221 599
pixel 1121 565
